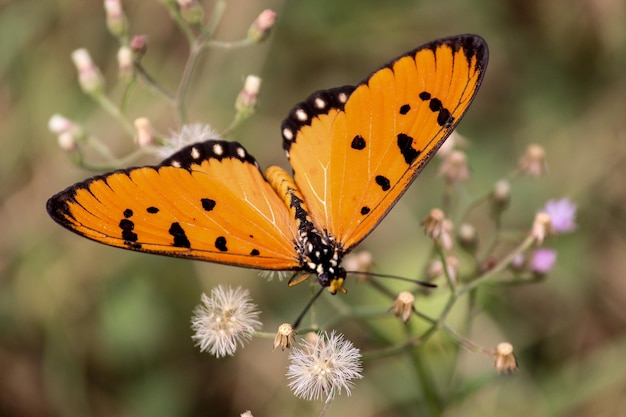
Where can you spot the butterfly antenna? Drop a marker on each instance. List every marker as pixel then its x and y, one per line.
pixel 307 307
pixel 399 278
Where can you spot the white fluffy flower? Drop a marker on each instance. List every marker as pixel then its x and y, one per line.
pixel 324 367
pixel 225 320
pixel 189 134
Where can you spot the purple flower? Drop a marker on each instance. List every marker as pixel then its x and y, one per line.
pixel 542 261
pixel 562 214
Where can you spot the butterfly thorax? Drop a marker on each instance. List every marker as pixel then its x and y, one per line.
pixel 318 252
pixel 320 255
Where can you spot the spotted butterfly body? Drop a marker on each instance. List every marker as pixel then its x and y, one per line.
pixel 354 151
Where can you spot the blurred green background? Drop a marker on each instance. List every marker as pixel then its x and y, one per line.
pixel 87 330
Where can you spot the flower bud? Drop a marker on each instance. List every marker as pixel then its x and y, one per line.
pixel 247 99
pixel 260 28
pixel 144 136
pixel 89 76
pixel 125 63
pixel 500 196
pixel 115 18
pixel 542 227
pixel 542 261
pixel 139 45
pixel 192 12
pixel 468 237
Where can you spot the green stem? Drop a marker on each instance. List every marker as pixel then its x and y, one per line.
pixel 429 391
pixel 114 111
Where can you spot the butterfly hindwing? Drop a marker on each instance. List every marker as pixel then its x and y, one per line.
pixel 209 201
pixel 355 156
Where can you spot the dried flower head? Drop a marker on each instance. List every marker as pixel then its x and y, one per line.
pixel 454 167
pixel 433 223
pixel 225 320
pixel 403 305
pixel 562 215
pixel 542 261
pixel 542 227
pixel 504 358
pixel 533 162
pixel 284 337
pixel 324 368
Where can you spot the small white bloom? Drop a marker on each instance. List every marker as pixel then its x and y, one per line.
pixel 324 367
pixel 225 320
pixel 189 134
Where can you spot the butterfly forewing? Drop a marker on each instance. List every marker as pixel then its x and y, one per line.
pixel 207 202
pixel 353 161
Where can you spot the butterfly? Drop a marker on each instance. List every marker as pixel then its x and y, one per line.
pixel 353 150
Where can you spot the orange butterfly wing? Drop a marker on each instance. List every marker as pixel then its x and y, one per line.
pixel 209 202
pixel 356 150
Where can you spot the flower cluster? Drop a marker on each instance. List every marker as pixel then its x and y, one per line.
pixel 74 139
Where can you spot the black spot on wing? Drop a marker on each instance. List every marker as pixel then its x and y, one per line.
pixel 128 213
pixel 220 244
pixel 383 182
pixel 358 143
pixel 207 204
pixel 405 108
pixel 405 144
pixel 152 210
pixel 254 252
pixel 365 210
pixel 436 106
pixel 180 238
pixel 127 227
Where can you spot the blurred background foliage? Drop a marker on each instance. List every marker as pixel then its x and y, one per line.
pixel 87 330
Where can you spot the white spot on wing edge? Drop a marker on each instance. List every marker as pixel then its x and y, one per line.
pixel 320 103
pixel 301 115
pixel 218 149
pixel 287 133
pixel 195 153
